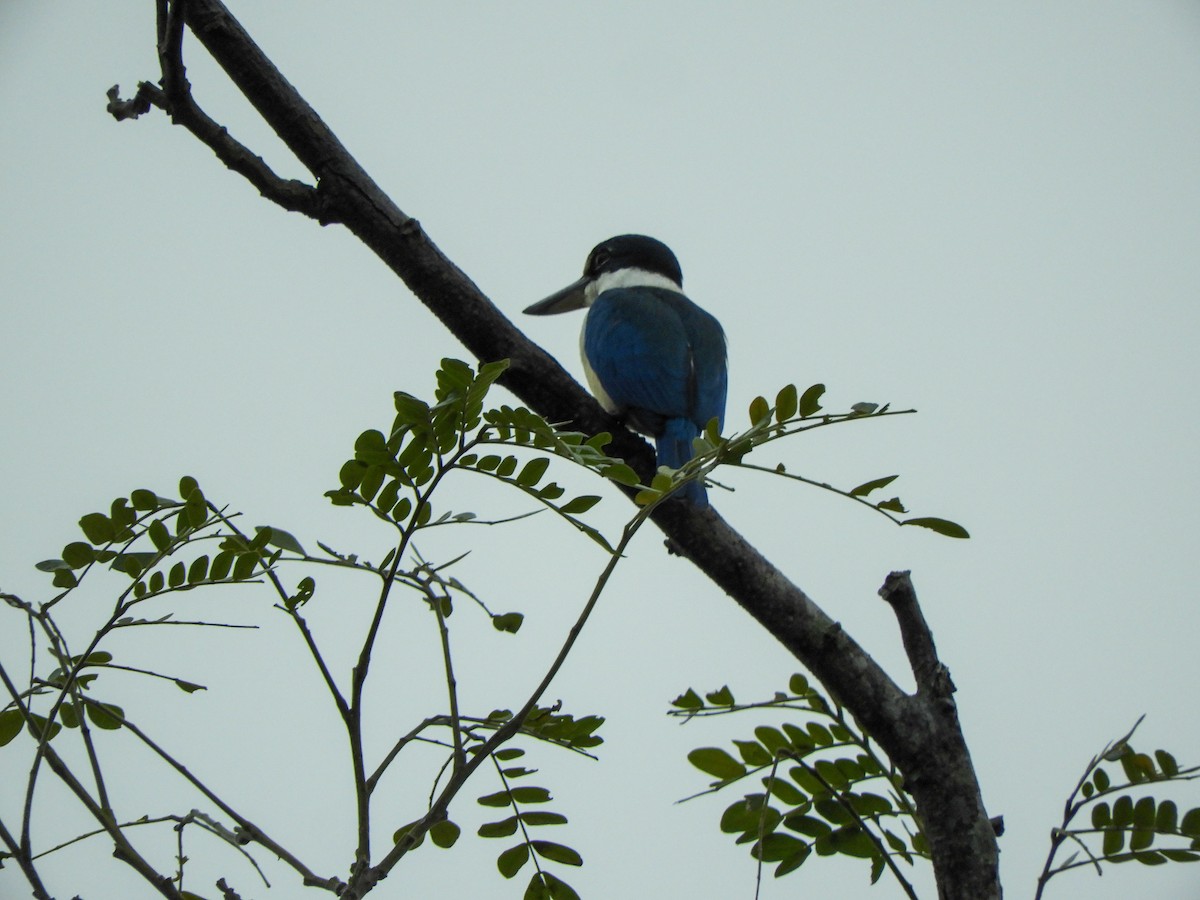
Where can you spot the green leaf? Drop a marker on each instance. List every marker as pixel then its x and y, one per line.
pixel 195 511
pixel 557 853
pixel 759 410
pixel 559 889
pixel 1138 767
pixel 533 471
pixel 721 697
pixel 688 700
pixel 832 811
pixel 531 795
pixel 350 476
pixel 38 724
pixel 941 526
pixel 715 761
pixel 511 860
pixel 777 846
pixel 177 575
pixel 189 687
pixel 510 622
pixel 877 867
pixel 500 798
pixel 820 734
pixel 11 721
pixel 401 510
pixel 541 817
pixel 1101 780
pixel 785 792
pixel 159 536
pixel 1166 761
pixel 197 570
pixel 372 480
pixel 51 565
pixel 807 781
pixel 537 889
pixel 1180 855
pixel 97 528
pixel 508 753
pixel 753 753
pixel 743 815
pixel 579 504
pixel 78 554
pixel 64 578
pixel 786 403
pixel 798 685
pixel 868 486
pixel 284 540
pixel 68 716
pixel 1167 818
pixel 244 567
pixel 793 862
pixel 371 447
pixel 107 716
pixel 503 828
pixel 810 400
pixel 147 501
pixel 401 832
pixel 488 463
pixel 853 841
pixel 1190 824
pixel 772 738
pixel 1123 811
pixel 622 474
pixel 221 565
pixel 1143 813
pixel 444 834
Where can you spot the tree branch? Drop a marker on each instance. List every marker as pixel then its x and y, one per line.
pixel 933 678
pixel 920 735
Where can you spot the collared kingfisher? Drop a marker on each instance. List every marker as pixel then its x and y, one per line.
pixel 652 357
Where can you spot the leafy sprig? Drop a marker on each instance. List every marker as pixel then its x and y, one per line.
pixel 1127 823
pixel 828 789
pixel 793 413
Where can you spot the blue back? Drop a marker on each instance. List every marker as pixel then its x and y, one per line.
pixel 659 357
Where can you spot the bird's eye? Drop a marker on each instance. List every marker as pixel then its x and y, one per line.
pixel 599 259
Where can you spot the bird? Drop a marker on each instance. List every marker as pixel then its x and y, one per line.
pixel 652 357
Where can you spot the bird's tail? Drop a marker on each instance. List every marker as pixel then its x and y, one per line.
pixel 674 449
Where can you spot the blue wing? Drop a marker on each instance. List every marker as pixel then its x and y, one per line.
pixel 658 356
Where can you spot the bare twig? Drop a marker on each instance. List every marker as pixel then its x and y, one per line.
pixel 933 678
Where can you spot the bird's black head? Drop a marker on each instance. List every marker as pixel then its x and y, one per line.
pixel 633 251
pixel 626 254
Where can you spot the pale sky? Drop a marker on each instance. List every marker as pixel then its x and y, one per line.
pixel 989 213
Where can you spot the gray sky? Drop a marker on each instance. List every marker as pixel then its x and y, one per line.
pixel 991 214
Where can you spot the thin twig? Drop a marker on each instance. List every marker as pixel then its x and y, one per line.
pixel 438 808
pixel 250 830
pixel 25 861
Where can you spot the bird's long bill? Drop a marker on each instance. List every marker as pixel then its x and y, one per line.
pixel 569 298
